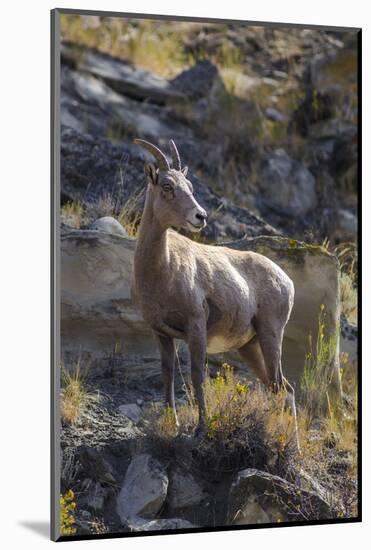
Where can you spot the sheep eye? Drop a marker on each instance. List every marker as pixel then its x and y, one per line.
pixel 167 187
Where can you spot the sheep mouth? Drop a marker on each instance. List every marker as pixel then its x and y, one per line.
pixel 195 228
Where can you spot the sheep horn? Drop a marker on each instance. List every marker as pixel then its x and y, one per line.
pixel 175 156
pixel 163 163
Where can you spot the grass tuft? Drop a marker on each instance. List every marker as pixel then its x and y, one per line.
pixel 74 214
pixel 318 371
pixel 73 393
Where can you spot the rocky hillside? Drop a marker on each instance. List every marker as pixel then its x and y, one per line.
pixel 266 120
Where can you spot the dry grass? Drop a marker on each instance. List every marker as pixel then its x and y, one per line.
pixel 347 256
pixel 106 206
pixel 73 392
pixel 74 214
pixel 127 213
pixel 147 44
pixel 246 425
pixel 348 297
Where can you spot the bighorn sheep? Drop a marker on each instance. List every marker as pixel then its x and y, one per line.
pixel 215 298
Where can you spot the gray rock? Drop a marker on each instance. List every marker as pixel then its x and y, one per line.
pixel 131 411
pixel 97 310
pixel 201 80
pixel 108 225
pixel 257 496
pixel 184 491
pixel 347 223
pixel 144 489
pixel 286 185
pixel 349 341
pixel 120 76
pixel 95 496
pixel 82 527
pixel 140 524
pixel 333 128
pixel 273 114
pixel 252 513
pixel 95 466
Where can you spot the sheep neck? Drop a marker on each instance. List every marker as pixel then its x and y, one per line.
pixel 151 253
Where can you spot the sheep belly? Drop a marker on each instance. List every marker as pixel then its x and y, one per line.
pixel 222 343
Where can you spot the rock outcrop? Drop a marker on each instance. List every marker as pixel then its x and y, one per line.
pixel 97 311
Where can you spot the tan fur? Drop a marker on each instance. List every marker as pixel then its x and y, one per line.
pixel 214 298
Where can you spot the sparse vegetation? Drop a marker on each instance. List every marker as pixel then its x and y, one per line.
pixel 127 213
pixel 74 214
pixel 129 216
pixel 147 44
pixel 73 393
pixel 245 425
pixel 318 368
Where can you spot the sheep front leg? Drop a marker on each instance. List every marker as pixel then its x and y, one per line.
pixel 197 342
pixel 167 352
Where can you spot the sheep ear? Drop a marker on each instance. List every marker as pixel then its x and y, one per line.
pixel 151 173
pixel 185 170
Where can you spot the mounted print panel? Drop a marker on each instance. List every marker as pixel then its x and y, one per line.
pixel 205 183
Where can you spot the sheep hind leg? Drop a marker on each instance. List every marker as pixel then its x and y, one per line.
pixel 271 347
pixel 253 355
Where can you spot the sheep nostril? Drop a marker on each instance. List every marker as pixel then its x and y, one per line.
pixel 201 217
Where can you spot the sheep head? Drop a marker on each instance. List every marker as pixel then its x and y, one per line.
pixel 174 204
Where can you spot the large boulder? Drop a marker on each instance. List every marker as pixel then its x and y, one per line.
pixel 107 224
pixel 184 491
pixel 96 307
pixel 98 315
pixel 144 489
pixel 259 497
pixel 200 81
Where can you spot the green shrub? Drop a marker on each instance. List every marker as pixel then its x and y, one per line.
pixel 318 368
